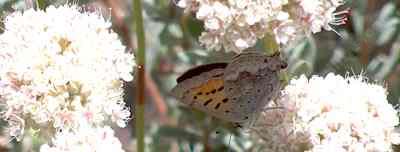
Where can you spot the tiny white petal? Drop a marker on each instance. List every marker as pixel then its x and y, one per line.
pixel 58 65
pixel 331 113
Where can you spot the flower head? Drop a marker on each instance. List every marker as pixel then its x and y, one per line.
pixel 320 14
pixel 85 139
pixel 61 67
pixel 330 113
pixel 236 25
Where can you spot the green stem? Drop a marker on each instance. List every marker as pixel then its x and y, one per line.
pixel 139 117
pixel 40 4
pixel 138 18
pixel 139 110
pixel 270 44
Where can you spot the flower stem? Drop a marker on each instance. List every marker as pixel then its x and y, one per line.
pixel 206 137
pixel 139 109
pixel 270 44
pixel 40 4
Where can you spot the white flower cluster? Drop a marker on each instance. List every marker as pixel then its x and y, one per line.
pixel 85 140
pixel 331 114
pixel 238 24
pixel 61 68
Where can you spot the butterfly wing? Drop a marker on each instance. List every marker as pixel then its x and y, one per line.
pixel 234 92
pixel 203 89
pixel 251 80
pixel 252 62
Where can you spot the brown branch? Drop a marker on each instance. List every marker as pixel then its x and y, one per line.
pixel 365 51
pixel 158 100
pixel 118 20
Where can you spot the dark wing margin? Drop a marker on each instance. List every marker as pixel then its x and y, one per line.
pixel 200 69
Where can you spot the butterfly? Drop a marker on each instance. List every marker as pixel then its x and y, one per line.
pixel 236 91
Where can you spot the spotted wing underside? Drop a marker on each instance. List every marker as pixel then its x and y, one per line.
pixel 202 88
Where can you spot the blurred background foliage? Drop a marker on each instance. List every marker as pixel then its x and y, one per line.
pixel 369 43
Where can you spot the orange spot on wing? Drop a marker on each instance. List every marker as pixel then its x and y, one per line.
pixel 209 93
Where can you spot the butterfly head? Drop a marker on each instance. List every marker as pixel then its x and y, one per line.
pixel 275 62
